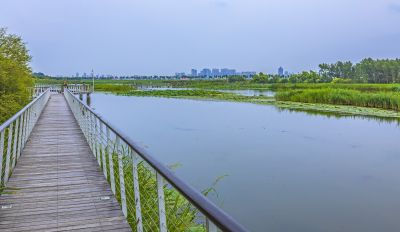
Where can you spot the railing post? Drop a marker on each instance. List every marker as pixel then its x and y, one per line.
pixel 7 169
pixel 136 191
pixel 14 154
pixel 121 175
pixel 110 159
pixel 1 155
pixel 103 151
pixel 161 203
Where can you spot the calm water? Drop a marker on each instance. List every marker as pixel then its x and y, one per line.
pixel 287 171
pixel 244 92
pixel 251 92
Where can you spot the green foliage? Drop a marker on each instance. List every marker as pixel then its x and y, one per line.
pixel 15 75
pixel 235 79
pixel 260 78
pixel 367 71
pixel 384 100
pixel 338 80
pixel 305 77
pixel 113 88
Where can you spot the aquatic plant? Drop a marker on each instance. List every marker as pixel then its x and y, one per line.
pixel 383 100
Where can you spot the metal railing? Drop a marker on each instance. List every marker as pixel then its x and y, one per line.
pixel 152 198
pixel 58 88
pixel 14 133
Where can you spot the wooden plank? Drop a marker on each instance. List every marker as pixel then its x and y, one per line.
pixel 58 183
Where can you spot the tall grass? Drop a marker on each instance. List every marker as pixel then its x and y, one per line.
pixel 383 100
pixel 181 215
pixel 114 88
pixel 360 87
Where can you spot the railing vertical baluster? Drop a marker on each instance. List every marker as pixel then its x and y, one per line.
pixel 20 136
pixel 211 227
pixel 110 159
pixel 120 154
pixel 7 169
pixel 23 131
pixel 161 203
pixel 14 154
pixel 103 150
pixel 98 139
pixel 136 189
pixel 87 123
pixel 1 155
pixel 93 128
pixel 28 121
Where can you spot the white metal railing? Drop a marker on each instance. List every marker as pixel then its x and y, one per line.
pixel 58 88
pixel 14 133
pixel 152 198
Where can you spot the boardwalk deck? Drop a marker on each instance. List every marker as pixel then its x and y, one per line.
pixel 59 186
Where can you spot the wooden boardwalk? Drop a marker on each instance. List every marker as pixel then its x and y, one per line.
pixel 59 185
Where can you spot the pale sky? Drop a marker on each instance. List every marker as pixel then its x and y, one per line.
pixel 147 37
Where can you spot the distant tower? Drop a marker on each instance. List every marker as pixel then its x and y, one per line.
pixel 194 73
pixel 215 72
pixel 280 71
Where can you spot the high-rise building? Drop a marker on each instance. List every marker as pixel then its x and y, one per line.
pixel 194 73
pixel 215 72
pixel 205 72
pixel 227 72
pixel 280 71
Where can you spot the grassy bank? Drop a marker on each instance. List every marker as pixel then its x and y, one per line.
pixel 112 88
pixel 383 100
pixel 198 94
pixel 360 87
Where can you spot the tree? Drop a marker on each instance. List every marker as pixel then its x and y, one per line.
pixel 15 74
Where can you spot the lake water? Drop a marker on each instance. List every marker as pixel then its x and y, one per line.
pixel 287 171
pixel 244 92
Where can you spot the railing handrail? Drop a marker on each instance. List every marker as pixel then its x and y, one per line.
pixel 221 219
pixel 15 116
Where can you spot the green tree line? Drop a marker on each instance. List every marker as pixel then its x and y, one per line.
pixel 15 74
pixel 367 71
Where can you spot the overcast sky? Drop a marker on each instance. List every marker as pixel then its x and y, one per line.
pixel 167 36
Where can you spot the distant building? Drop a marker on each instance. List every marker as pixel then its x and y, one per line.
pixel 280 71
pixel 215 72
pixel 194 73
pixel 286 74
pixel 248 74
pixel 180 74
pixel 228 72
pixel 205 72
